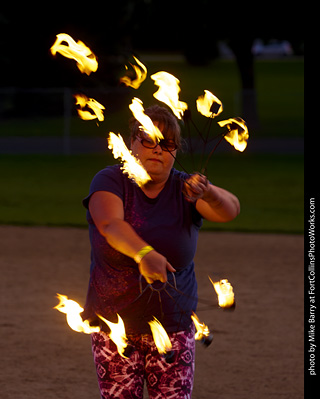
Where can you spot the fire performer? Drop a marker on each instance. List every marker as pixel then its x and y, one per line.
pixel 148 231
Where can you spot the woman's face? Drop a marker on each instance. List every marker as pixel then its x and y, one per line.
pixel 157 162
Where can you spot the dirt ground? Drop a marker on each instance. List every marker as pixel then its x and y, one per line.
pixel 257 351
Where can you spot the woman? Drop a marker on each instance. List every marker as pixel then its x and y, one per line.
pixel 143 243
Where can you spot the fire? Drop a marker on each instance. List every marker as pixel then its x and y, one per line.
pixel 209 105
pixel 238 132
pixel 141 74
pixel 72 309
pixel 85 102
pixel 225 293
pixel 117 334
pixel 131 165
pixel 86 60
pixel 160 336
pixel 202 329
pixel 168 92
pixel 148 127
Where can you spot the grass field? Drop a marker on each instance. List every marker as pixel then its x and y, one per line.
pixel 48 190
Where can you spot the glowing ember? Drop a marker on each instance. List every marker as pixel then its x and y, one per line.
pixel 209 105
pixel 141 74
pixel 117 334
pixel 160 336
pixel 225 293
pixel 86 60
pixel 202 329
pixel 131 165
pixel 238 133
pixel 168 92
pixel 148 127
pixel 85 102
pixel 72 309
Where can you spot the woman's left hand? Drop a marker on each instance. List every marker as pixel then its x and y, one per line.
pixel 195 187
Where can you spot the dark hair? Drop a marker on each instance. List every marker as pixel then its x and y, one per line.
pixel 167 122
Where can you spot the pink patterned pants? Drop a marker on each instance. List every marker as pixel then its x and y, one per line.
pixel 123 378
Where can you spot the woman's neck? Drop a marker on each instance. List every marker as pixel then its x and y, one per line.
pixel 153 188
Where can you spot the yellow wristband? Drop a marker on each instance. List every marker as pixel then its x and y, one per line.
pixel 143 252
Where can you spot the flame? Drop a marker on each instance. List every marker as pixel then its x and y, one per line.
pixel 225 293
pixel 168 92
pixel 202 329
pixel 86 60
pixel 72 309
pixel 160 336
pixel 209 105
pixel 141 74
pixel 131 165
pixel 83 101
pixel 148 127
pixel 238 132
pixel 117 334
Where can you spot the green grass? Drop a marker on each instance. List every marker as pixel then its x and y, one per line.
pixel 280 97
pixel 48 190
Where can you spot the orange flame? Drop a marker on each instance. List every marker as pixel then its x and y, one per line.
pixel 202 329
pixel 72 309
pixel 225 293
pixel 238 133
pixel 209 105
pixel 168 92
pixel 83 101
pixel 117 334
pixel 148 127
pixel 86 60
pixel 160 336
pixel 141 74
pixel 131 165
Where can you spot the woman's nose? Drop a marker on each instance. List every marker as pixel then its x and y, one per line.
pixel 157 149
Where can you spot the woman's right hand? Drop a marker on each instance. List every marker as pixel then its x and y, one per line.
pixel 153 266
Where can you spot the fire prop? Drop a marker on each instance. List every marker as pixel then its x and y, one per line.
pixel 86 60
pixel 85 102
pixel 225 293
pixel 209 106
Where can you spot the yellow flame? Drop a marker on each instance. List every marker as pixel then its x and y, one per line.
pixel 160 336
pixel 225 293
pixel 209 105
pixel 83 102
pixel 141 74
pixel 202 329
pixel 72 309
pixel 238 133
pixel 117 334
pixel 168 92
pixel 131 165
pixel 86 60
pixel 147 125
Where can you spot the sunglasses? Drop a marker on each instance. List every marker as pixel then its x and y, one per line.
pixel 166 145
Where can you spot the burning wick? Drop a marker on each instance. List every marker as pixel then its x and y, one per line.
pixel 238 132
pixel 209 105
pixel 118 336
pixel 85 102
pixel 72 309
pixel 131 165
pixel 86 60
pixel 141 74
pixel 202 334
pixel 161 340
pixel 225 293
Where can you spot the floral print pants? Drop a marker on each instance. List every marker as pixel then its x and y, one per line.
pixel 123 378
